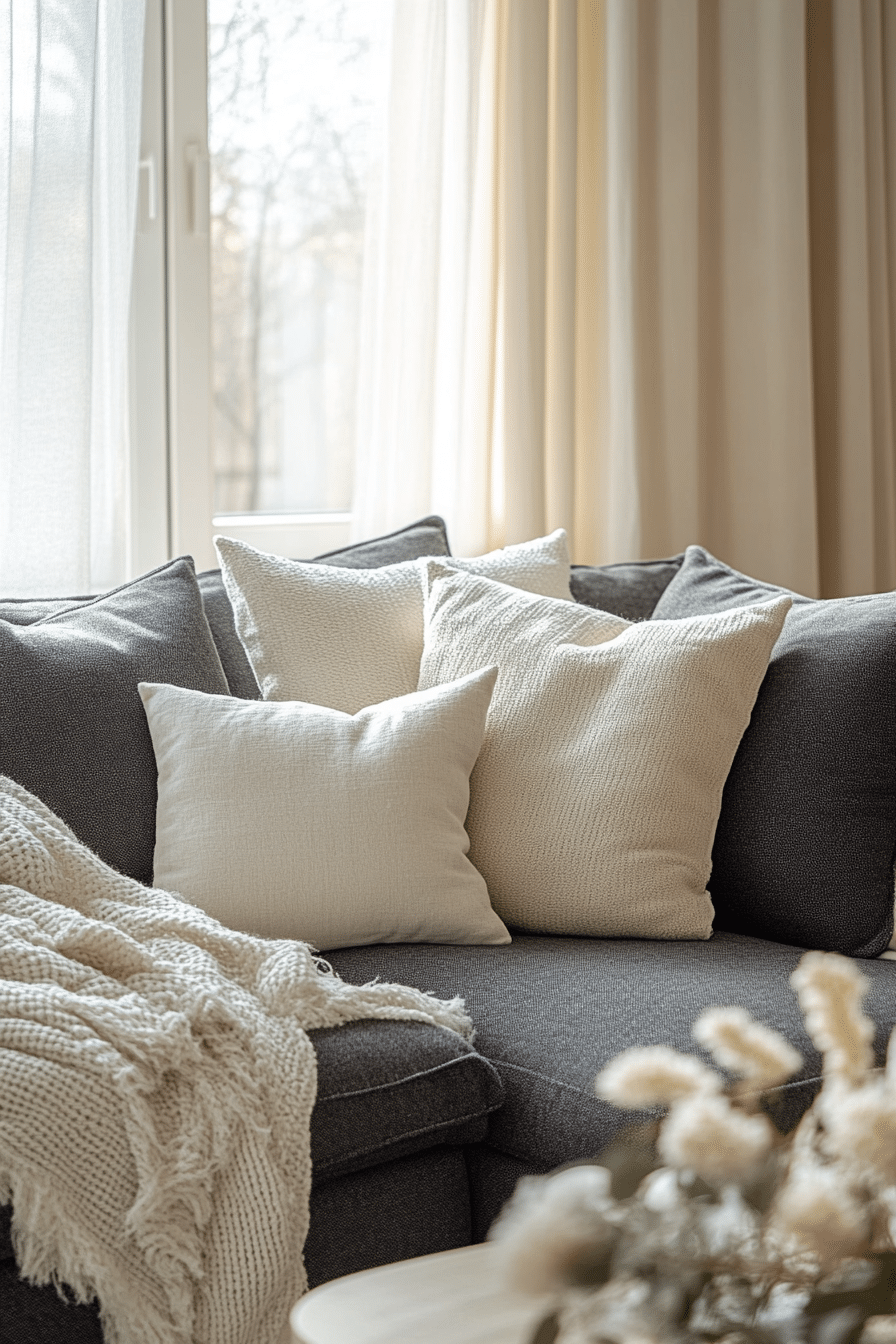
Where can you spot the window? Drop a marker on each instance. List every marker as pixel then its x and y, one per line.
pixel 258 130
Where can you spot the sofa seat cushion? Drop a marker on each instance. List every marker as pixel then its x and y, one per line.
pixel 550 1012
pixel 386 1089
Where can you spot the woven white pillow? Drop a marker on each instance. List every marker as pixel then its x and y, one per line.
pixel 594 800
pixel 295 821
pixel 353 637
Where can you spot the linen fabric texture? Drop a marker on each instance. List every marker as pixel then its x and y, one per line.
pixel 805 843
pixel 350 639
pixel 594 800
pixel 289 820
pixel 72 728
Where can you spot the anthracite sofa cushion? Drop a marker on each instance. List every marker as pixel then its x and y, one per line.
pixel 425 537
pixel 630 589
pixel 72 726
pixel 805 842
pixel 550 1012
pixel 386 1090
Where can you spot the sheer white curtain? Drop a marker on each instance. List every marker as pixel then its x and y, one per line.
pixel 69 140
pixel 469 273
pixel 427 362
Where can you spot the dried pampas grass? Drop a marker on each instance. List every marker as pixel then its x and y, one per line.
pixel 552 1231
pixel 746 1048
pixel 816 1211
pixel 729 1232
pixel 831 989
pixel 654 1075
pixel 860 1130
pixel 706 1135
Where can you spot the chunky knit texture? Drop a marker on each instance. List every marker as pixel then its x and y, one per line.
pixel 156 1088
pixel 349 638
pixel 595 796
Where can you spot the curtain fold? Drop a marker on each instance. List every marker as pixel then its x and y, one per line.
pixel 710 416
pixel 427 356
pixel 672 239
pixel 69 138
pixel 851 89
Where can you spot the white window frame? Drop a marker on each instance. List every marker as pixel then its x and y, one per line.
pixel 170 337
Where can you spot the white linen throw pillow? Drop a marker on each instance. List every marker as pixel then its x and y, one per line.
pixel 289 820
pixel 353 637
pixel 594 800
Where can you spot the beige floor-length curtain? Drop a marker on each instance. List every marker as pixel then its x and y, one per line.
pixel 741 344
pixel 705 360
pixel 851 98
pixel 661 303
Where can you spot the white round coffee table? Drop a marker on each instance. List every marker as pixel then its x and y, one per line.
pixel 456 1297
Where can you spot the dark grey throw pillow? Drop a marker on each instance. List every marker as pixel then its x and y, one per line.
pixel 630 589
pixel 805 842
pixel 72 726
pixel 426 537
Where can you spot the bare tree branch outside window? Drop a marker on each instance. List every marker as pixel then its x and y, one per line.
pixel 291 106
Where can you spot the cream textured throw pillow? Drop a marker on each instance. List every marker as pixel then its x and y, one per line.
pixel 596 794
pixel 353 637
pixel 295 821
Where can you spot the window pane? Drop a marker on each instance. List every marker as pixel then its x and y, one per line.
pixel 292 89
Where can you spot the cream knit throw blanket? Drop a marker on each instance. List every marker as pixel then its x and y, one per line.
pixel 156 1087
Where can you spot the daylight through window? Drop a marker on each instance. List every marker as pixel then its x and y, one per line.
pixel 293 96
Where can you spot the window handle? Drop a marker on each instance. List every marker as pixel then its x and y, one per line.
pixel 148 166
pixel 198 175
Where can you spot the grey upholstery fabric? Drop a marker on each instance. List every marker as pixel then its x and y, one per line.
pixel 628 589
pixel 426 537
pixel 415 1206
pixel 806 837
pixel 72 726
pixel 493 1179
pixel 237 668
pixel 549 1012
pixel 31 1315
pixel 386 1089
pixel 27 610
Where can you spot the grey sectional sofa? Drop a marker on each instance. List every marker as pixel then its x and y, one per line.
pixel 417 1138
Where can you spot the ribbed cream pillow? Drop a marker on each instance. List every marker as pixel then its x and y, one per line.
pixel 353 637
pixel 295 821
pixel 594 800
